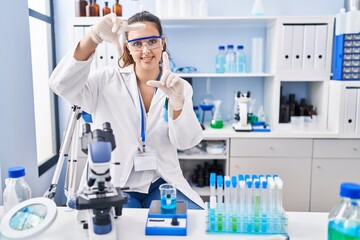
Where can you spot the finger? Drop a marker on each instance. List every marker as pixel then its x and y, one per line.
pixel 118 25
pixel 164 77
pixel 175 81
pixel 154 83
pixel 170 79
pixel 166 63
pixel 135 27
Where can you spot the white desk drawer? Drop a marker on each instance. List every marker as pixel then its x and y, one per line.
pixel 271 147
pixel 336 148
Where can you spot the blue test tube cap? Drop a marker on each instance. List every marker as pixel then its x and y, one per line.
pixel 254 176
pixel 219 181
pixel 241 177
pixel 212 179
pixel 257 183
pixel 247 176
pixel 275 175
pixel 233 181
pixel 227 183
pixel 249 184
pixel 264 184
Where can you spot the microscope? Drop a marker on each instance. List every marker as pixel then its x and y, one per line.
pixel 242 100
pixel 101 201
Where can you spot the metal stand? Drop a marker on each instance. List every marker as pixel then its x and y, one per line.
pixel 71 138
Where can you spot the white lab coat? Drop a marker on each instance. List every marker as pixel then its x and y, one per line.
pixel 113 98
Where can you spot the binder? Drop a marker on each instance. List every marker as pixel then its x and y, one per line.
pixel 350 110
pixel 287 43
pixel 111 55
pixel 320 46
pixel 357 128
pixel 309 47
pixel 298 45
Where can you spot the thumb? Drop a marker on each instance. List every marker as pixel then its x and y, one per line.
pixel 154 83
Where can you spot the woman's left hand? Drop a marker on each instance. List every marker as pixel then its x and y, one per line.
pixel 171 84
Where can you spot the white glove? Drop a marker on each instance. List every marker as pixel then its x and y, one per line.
pixel 171 84
pixel 109 29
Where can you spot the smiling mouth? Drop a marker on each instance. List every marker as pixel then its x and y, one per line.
pixel 147 58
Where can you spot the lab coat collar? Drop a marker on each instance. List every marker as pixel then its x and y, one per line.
pixel 131 84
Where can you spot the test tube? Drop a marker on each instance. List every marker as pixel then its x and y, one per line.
pixel 264 206
pixel 279 188
pixel 234 203
pixel 256 204
pixel 227 190
pixel 212 184
pixel 219 189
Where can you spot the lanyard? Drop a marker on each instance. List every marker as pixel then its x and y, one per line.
pixel 142 106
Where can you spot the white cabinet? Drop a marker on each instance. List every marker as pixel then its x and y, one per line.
pixel 290 158
pixel 334 161
pixel 202 156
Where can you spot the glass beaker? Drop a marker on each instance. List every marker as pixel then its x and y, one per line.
pixel 167 196
pixel 217 121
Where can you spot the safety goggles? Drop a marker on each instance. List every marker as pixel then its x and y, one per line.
pixel 152 42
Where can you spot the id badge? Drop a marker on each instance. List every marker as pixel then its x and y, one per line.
pixel 145 161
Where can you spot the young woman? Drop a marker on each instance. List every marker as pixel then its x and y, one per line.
pixel 149 108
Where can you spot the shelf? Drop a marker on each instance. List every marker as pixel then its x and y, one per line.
pixel 250 20
pixel 227 75
pixel 205 156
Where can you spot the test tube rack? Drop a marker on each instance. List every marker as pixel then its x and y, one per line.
pixel 219 220
pixel 246 205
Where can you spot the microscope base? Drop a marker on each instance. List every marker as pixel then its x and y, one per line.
pixel 167 222
pixel 238 128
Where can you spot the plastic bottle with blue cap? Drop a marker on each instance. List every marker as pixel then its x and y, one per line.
pixel 17 190
pixel 344 218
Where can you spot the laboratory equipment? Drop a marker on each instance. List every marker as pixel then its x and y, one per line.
pixel 249 207
pixel 344 218
pixel 242 99
pixel 100 200
pixel 230 57
pixel 17 190
pixel 167 222
pixel 240 59
pixel 28 219
pixel 207 105
pixel 167 196
pixel 80 8
pixel 220 60
pixel 106 10
pixel 117 8
pixel 217 121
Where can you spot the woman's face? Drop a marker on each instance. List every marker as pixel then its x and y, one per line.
pixel 146 47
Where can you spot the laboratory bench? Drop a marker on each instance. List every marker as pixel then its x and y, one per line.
pixel 306 161
pixel 131 225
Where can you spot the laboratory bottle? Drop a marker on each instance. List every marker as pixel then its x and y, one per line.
pixel 106 10
pixel 16 190
pixel 80 8
pixel 258 8
pixel 220 60
pixel 117 8
pixel 230 59
pixel 344 218
pixel 96 9
pixel 240 59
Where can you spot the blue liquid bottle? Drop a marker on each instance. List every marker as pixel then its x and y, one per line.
pixel 240 59
pixel 220 60
pixel 344 218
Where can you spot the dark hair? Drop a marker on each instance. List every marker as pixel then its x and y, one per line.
pixel 143 16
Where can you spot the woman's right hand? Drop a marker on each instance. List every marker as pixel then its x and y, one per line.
pixel 109 29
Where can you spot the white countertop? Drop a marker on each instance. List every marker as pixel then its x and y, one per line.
pixel 131 225
pixel 285 132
